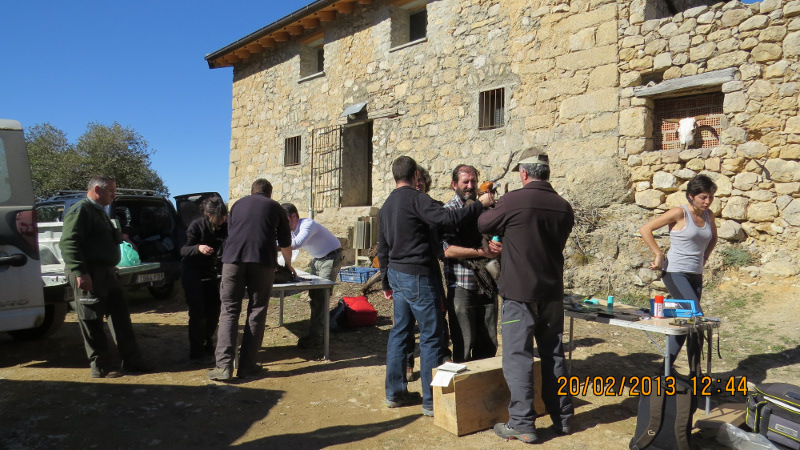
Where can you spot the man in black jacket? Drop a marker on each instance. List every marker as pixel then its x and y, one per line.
pixel 535 223
pixel 406 257
pixel 255 222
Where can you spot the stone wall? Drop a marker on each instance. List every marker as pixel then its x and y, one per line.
pixel 569 70
pixel 756 166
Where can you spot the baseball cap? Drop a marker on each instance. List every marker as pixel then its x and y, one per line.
pixel 532 156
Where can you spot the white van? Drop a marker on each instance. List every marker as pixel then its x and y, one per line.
pixel 22 308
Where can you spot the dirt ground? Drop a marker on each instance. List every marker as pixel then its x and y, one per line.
pixel 48 400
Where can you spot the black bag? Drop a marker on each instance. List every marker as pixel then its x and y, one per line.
pixel 339 317
pixel 773 410
pixel 664 421
pixel 283 275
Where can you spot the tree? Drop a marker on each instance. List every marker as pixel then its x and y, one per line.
pixel 114 150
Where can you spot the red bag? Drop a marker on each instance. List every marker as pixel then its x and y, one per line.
pixel 359 312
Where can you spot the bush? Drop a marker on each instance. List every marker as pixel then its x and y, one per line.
pixel 737 257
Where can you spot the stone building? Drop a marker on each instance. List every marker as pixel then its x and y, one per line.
pixel 326 98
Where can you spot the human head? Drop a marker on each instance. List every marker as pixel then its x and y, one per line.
pixel 404 169
pixel 292 214
pixel 424 180
pixel 535 163
pixel 261 186
pixel 215 210
pixel 702 189
pixel 102 189
pixel 465 182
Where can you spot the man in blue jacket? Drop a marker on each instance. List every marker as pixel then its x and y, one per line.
pixel 255 222
pixel 406 258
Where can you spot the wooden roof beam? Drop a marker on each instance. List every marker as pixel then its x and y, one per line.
pixel 266 42
pixel 295 29
pixel 365 2
pixel 326 15
pixel 280 36
pixel 310 22
pixel 345 7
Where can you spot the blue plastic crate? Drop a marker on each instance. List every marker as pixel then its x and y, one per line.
pixel 678 308
pixel 356 274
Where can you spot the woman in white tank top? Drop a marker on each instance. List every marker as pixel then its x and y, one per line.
pixel 693 235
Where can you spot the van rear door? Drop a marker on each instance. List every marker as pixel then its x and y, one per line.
pixel 21 296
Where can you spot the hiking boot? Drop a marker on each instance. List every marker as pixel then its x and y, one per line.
pixel 506 432
pixel 220 374
pixel 252 371
pixel 404 399
pixel 103 373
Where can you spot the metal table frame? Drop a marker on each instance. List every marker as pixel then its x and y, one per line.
pixel 308 283
pixel 662 326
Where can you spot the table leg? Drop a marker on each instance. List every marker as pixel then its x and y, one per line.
pixel 326 339
pixel 280 315
pixel 569 361
pixel 666 356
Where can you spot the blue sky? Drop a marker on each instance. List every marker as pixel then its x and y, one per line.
pixel 140 63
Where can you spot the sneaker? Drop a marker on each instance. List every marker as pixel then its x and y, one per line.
pixel 103 373
pixel 404 399
pixel 506 432
pixel 560 430
pixel 252 371
pixel 427 412
pixel 220 374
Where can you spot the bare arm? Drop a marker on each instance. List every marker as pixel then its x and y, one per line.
pixel 713 243
pixel 287 258
pixel 458 252
pixel 668 218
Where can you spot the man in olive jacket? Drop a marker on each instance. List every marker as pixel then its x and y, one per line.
pixel 535 223
pixel 90 248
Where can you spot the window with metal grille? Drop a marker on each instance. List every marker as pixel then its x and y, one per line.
pixel 291 155
pixel 418 23
pixel 491 109
pixel 707 108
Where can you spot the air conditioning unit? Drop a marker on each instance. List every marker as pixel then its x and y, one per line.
pixel 365 233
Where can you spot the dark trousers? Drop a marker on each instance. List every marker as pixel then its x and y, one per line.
pixel 257 279
pixel 202 297
pixel 473 324
pixel 110 303
pixel 682 286
pixel 522 322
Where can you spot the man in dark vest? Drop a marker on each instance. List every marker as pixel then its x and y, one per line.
pixel 90 248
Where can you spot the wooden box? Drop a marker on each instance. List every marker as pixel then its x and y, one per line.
pixel 478 398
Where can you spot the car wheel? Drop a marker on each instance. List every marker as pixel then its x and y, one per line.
pixel 163 291
pixel 54 314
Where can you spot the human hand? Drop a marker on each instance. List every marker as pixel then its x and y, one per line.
pixel 658 262
pixel 495 247
pixel 85 282
pixel 294 272
pixel 388 294
pixel 487 199
pixel 205 249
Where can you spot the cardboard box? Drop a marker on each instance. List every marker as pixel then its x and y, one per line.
pixel 732 413
pixel 478 398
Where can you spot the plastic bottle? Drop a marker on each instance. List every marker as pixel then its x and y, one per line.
pixel 658 307
pixel 610 303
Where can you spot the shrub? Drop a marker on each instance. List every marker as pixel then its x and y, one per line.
pixel 737 257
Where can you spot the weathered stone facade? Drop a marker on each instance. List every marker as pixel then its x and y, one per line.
pixel 569 71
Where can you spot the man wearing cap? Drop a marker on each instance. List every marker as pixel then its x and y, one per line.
pixel 535 223
pixel 326 250
pixel 473 313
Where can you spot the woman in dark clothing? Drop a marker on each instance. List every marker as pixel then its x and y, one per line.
pixel 199 275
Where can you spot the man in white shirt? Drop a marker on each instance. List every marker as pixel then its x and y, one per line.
pixel 326 250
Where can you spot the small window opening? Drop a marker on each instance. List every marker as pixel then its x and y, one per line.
pixel 491 109
pixel 418 24
pixel 706 108
pixel 291 156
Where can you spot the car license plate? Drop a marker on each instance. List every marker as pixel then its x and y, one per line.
pixel 149 277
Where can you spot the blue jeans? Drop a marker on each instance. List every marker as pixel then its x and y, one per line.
pixel 414 299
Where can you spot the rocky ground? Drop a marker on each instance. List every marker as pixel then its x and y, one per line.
pixel 47 399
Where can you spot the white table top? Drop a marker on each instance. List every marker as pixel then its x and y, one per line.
pixel 663 326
